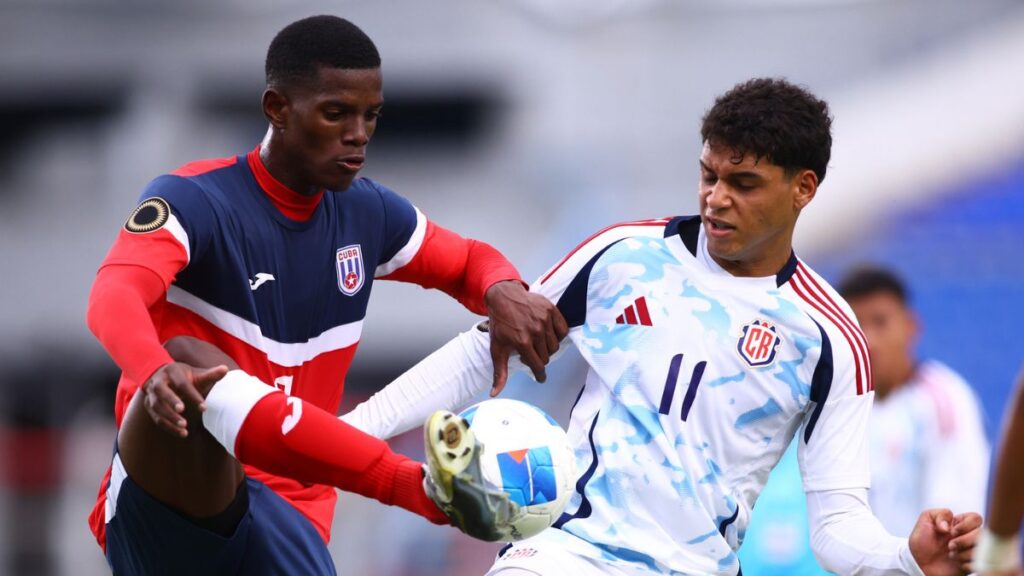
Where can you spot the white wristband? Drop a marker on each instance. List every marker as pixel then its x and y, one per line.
pixel 995 553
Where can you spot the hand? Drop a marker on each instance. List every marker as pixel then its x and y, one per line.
pixel 963 538
pixel 525 323
pixel 167 386
pixel 942 544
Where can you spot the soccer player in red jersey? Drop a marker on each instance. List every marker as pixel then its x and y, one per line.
pixel 270 257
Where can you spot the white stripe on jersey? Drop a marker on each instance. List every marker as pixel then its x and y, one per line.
pixel 409 251
pixel 283 354
pixel 174 227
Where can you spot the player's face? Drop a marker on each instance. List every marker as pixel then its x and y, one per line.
pixel 749 208
pixel 330 122
pixel 891 331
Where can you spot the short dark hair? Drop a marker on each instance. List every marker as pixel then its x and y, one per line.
pixel 867 280
pixel 302 47
pixel 773 119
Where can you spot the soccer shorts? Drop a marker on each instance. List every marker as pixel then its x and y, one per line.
pixel 547 558
pixel 147 538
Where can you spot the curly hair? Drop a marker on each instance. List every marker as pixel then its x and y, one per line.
pixel 298 51
pixel 773 119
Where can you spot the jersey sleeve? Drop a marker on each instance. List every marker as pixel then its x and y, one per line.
pixel 419 251
pixel 833 449
pixel 170 227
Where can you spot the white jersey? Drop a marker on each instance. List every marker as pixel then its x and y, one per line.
pixel 928 449
pixel 697 382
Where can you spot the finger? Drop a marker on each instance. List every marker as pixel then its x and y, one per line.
pixel 187 391
pixel 164 416
pixel 167 396
pixel 941 518
pixel 561 326
pixel 204 379
pixel 499 357
pixel 551 334
pixel 965 541
pixel 530 358
pixel 964 523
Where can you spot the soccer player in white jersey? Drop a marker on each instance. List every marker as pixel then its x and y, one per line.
pixel 925 423
pixel 709 346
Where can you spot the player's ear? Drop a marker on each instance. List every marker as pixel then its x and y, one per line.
pixel 275 108
pixel 806 186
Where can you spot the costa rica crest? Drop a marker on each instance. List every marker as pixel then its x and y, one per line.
pixel 349 263
pixel 758 343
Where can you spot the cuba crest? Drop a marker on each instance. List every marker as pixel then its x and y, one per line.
pixel 349 263
pixel 758 343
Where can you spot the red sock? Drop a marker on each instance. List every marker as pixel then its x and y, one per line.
pixel 283 435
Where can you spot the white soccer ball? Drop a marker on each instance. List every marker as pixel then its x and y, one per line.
pixel 526 454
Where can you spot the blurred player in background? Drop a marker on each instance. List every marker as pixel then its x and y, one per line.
pixel 928 447
pixel 999 546
pixel 270 256
pixel 710 345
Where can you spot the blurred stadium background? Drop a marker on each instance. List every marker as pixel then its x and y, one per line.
pixel 525 123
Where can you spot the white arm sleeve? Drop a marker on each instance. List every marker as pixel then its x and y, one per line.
pixel 846 538
pixel 446 380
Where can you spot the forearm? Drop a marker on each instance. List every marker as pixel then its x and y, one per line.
pixel 847 539
pixel 1006 506
pixel 463 268
pixel 118 315
pixel 446 380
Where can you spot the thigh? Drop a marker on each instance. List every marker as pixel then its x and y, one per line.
pixel 281 540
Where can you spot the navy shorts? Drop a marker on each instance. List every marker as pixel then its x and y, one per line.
pixel 145 537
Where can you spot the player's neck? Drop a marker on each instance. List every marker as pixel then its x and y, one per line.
pixel 293 205
pixel 886 386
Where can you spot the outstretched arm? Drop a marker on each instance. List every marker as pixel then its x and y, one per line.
pixel 999 549
pixel 847 538
pixel 446 380
pixel 485 282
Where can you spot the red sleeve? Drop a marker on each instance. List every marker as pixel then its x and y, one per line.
pixel 119 317
pixel 461 267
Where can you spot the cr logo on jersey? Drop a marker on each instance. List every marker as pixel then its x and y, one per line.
pixel 758 343
pixel 349 262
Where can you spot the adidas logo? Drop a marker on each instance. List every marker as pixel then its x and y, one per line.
pixel 635 313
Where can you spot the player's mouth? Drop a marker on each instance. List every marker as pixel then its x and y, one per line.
pixel 717 228
pixel 352 163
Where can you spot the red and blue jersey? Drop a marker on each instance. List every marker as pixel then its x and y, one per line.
pixel 281 282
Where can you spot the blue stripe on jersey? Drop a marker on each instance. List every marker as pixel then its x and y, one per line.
pixel 585 508
pixel 688 228
pixel 787 271
pixel 821 382
pixel 573 303
pixel 725 523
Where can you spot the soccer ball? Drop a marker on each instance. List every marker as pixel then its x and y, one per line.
pixel 527 455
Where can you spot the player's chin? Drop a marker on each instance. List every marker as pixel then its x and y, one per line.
pixel 338 182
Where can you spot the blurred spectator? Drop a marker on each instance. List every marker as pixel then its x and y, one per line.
pixel 928 445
